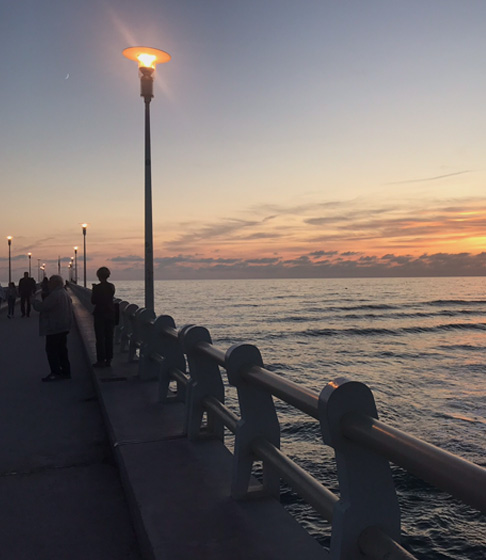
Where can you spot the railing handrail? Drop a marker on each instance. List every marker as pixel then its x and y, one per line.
pixel 431 463
pixel 459 477
pixel 358 426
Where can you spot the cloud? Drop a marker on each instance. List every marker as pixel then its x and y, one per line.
pixel 339 265
pixel 427 179
pixel 126 259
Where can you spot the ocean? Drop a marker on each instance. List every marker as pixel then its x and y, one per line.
pixel 418 343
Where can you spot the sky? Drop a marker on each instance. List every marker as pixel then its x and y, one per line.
pixel 321 138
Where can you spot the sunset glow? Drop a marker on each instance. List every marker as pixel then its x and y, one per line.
pixel 359 152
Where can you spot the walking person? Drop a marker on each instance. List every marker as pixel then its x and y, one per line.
pixel 104 317
pixel 12 295
pixel 55 321
pixel 27 288
pixel 44 288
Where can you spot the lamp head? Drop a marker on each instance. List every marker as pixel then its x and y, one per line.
pixel 9 239
pixel 147 58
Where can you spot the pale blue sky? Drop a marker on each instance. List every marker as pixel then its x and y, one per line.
pixel 280 129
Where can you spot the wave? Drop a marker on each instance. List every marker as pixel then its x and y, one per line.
pixel 356 316
pixel 443 302
pixel 392 332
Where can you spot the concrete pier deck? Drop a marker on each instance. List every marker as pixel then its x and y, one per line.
pixel 62 497
pixel 60 491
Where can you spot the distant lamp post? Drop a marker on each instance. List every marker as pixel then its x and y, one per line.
pixel 30 264
pixel 75 265
pixel 147 59
pixel 44 270
pixel 38 270
pixel 9 241
pixel 84 226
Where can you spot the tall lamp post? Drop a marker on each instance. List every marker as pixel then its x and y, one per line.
pixel 84 226
pixel 38 270
pixel 30 264
pixel 75 265
pixel 9 240
pixel 147 59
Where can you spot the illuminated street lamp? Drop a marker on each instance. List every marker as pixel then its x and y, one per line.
pixel 84 226
pixel 147 58
pixel 30 264
pixel 9 240
pixel 38 270
pixel 75 265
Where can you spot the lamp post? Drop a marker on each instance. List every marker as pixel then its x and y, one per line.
pixel 30 264
pixel 38 270
pixel 147 59
pixel 9 241
pixel 84 226
pixel 75 265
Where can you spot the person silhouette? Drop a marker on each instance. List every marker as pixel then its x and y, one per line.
pixel 55 321
pixel 104 317
pixel 27 288
pixel 12 294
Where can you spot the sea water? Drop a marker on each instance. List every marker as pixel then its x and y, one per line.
pixel 419 344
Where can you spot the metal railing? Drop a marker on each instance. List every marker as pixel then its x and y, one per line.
pixel 365 518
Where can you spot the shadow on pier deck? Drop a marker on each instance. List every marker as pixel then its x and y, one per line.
pixel 62 498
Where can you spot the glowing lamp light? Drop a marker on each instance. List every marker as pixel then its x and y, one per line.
pixel 147 57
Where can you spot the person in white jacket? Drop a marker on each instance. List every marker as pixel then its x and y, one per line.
pixel 55 322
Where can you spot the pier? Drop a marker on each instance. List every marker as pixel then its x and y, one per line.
pixel 163 405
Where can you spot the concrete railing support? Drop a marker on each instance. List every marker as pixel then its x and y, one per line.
pixel 368 496
pixel 205 381
pixel 258 419
pixel 171 355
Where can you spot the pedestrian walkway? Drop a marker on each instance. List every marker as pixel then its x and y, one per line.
pixel 61 496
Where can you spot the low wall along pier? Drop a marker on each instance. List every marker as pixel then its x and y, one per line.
pixel 172 379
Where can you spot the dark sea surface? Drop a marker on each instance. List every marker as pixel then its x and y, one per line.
pixel 419 344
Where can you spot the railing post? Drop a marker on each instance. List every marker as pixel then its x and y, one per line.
pixel 173 357
pixel 124 328
pixel 258 419
pixel 135 335
pixel 205 381
pixel 367 492
pixel 144 331
pixel 127 332
pixel 119 328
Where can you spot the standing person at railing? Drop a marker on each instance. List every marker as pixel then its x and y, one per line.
pixel 104 317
